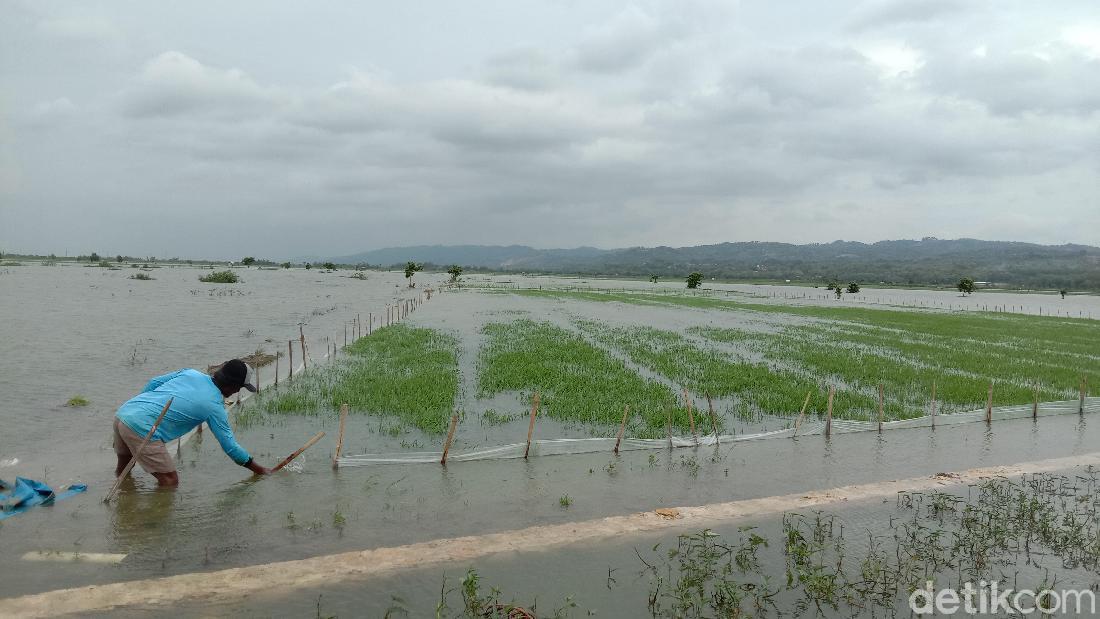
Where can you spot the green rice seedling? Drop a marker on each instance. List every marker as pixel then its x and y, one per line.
pixel 77 400
pixel 401 371
pixel 577 381
pixel 565 501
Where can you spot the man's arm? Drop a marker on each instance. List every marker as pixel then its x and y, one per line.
pixel 219 426
pixel 157 381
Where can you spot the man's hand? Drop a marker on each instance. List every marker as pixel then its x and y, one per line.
pixel 256 468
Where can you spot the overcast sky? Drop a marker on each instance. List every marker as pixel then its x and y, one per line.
pixel 275 129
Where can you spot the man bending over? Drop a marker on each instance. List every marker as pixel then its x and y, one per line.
pixel 196 398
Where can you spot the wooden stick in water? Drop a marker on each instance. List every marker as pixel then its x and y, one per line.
pixel 340 436
pixel 668 425
pixel 290 360
pixel 450 437
pixel 531 426
pixel 1081 406
pixel 802 413
pixel 1035 403
pixel 257 385
pixel 933 404
pixel 622 428
pixel 989 405
pixel 302 338
pixel 829 413
pixel 134 457
pixel 276 368
pixel 691 416
pixel 880 407
pixel 713 419
pixel 291 457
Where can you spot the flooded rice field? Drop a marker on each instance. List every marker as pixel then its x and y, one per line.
pixel 89 332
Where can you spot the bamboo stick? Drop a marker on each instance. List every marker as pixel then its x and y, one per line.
pixel 450 437
pixel 802 413
pixel 622 428
pixel 290 360
pixel 691 416
pixel 713 419
pixel 829 415
pixel 989 405
pixel 134 456
pixel 345 335
pixel 370 322
pixel 302 338
pixel 880 407
pixel 291 457
pixel 257 371
pixel 1035 403
pixel 933 403
pixel 340 436
pixel 1081 405
pixel 531 425
pixel 276 369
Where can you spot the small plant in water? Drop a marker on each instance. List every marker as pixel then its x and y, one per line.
pixel 565 501
pixel 77 400
pixel 220 277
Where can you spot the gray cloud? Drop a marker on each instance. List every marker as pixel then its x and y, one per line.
pixel 606 123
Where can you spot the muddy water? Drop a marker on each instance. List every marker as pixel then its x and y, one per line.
pixel 74 330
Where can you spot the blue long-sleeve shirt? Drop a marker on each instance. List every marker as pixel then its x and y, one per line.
pixel 195 399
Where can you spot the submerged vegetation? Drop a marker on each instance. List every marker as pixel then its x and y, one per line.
pixel 220 277
pixel 577 381
pixel 406 372
pixel 1013 531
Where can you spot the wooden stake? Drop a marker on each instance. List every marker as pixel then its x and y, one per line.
pixel 134 456
pixel 340 436
pixel 668 425
pixel 370 322
pixel 531 425
pixel 257 385
pixel 291 457
pixel 829 414
pixel 276 369
pixel 450 437
pixel 802 413
pixel 933 404
pixel 622 428
pixel 713 419
pixel 290 359
pixel 691 416
pixel 302 337
pixel 345 335
pixel 1081 406
pixel 880 407
pixel 1035 403
pixel 989 405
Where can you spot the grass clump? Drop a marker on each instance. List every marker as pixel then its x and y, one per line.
pixel 220 277
pixel 577 381
pixel 141 277
pixel 410 373
pixel 77 400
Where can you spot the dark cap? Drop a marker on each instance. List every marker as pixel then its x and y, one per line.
pixel 234 375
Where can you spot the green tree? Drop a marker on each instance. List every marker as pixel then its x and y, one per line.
pixel 118 258
pixel 286 265
pixel 833 285
pixel 654 278
pixel 94 257
pixel 965 286
pixel 1063 291
pixel 248 261
pixel 838 291
pixel 410 269
pixel 330 266
pixel 694 279
pixel 455 272
pixel 853 287
pixel 308 266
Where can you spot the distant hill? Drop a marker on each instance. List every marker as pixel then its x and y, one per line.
pixel 905 262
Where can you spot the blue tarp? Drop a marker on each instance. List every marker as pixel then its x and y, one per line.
pixel 27 493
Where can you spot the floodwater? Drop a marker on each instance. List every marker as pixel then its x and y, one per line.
pixel 91 332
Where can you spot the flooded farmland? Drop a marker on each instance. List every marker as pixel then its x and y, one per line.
pixel 94 333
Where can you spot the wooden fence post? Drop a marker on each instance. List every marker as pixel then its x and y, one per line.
pixel 829 414
pixel 1035 402
pixel 933 404
pixel 880 407
pixel 302 336
pixel 290 355
pixel 340 436
pixel 531 425
pixel 802 413
pixel 989 404
pixel 713 419
pixel 691 416
pixel 450 437
pixel 622 428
